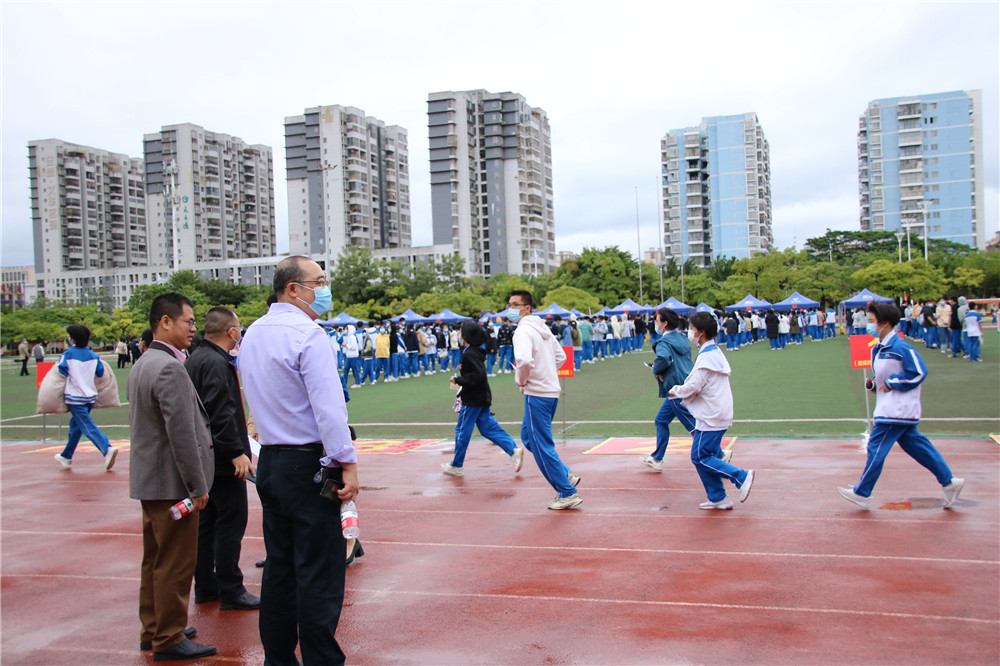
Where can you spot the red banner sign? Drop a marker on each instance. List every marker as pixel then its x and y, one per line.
pixel 567 369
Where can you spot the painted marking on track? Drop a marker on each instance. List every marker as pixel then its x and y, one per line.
pixel 391 446
pixel 995 437
pixel 639 445
pixel 120 444
pixel 682 604
pixel 96 651
pixel 674 551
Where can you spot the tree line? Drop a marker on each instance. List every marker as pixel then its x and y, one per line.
pixel 828 269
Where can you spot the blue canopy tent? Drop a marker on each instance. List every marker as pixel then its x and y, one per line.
pixel 577 313
pixel 343 319
pixel 446 316
pixel 678 307
pixel 552 310
pixel 749 302
pixel 628 306
pixel 796 302
pixel 411 317
pixel 704 307
pixel 492 317
pixel 863 298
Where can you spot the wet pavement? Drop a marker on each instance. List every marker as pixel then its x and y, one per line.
pixel 477 571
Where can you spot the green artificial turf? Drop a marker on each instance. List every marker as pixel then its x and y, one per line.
pixel 811 381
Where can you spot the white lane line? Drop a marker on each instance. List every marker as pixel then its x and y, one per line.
pixel 673 551
pixel 683 604
pixel 598 549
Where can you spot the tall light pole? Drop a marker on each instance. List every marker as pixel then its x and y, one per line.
pixel 923 209
pixel 909 253
pixel 899 244
pixel 638 242
pixel 659 232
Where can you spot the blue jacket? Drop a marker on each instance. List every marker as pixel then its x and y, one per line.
pixel 673 360
pixel 80 366
pixel 898 367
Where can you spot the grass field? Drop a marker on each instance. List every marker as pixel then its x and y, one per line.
pixel 806 389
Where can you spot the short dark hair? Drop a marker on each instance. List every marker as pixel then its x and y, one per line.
pixel 170 304
pixel 525 296
pixel 272 299
pixel 147 336
pixel 669 317
pixel 218 320
pixel 288 270
pixel 79 334
pixel 885 312
pixel 705 323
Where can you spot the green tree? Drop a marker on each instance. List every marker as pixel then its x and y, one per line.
pixel 610 274
pixel 572 297
pixel 917 279
pixel 357 276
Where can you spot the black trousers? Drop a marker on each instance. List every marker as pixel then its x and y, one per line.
pixel 302 590
pixel 24 367
pixel 221 526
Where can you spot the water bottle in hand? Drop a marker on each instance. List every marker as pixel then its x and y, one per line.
pixel 181 509
pixel 349 520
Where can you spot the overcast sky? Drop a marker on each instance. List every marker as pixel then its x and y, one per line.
pixel 614 77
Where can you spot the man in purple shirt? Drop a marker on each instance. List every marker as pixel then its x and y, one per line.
pixel 287 363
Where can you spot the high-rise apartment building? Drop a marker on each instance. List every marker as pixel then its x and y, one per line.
pixel 716 190
pixel 920 165
pixel 210 197
pixel 348 182
pixel 491 181
pixel 88 208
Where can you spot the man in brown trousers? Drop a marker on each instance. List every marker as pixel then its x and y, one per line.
pixel 171 460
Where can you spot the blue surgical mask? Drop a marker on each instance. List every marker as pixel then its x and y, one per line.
pixel 322 302
pixel 872 330
pixel 514 315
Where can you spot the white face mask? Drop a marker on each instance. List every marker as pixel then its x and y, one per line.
pixel 691 335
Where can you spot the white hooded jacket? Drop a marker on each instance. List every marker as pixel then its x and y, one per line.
pixel 350 343
pixel 537 357
pixel 706 391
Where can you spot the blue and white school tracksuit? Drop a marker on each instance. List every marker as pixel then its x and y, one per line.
pixel 898 367
pixel 707 395
pixel 536 435
pixel 670 409
pixel 81 366
pixel 472 417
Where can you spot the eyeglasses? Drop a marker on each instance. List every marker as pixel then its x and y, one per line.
pixel 515 306
pixel 322 282
pixel 191 323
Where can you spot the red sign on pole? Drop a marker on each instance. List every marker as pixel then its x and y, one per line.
pixel 567 369
pixel 861 351
pixel 43 369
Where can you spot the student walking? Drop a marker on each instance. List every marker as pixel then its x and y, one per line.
pixel 474 392
pixel 707 395
pixel 899 371
pixel 81 367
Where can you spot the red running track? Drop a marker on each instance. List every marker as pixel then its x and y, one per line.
pixel 476 570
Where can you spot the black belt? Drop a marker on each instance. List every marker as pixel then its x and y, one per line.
pixel 313 447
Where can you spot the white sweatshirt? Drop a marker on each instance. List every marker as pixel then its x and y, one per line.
pixel 706 391
pixel 537 357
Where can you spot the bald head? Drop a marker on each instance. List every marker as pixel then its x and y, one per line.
pixel 289 270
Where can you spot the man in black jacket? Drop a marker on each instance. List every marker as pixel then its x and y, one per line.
pixel 223 522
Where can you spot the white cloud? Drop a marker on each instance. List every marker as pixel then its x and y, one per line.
pixel 613 79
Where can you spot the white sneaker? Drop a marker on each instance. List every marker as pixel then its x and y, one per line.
pixel 451 471
pixel 851 496
pixel 517 458
pixel 560 503
pixel 65 462
pixel 952 490
pixel 724 505
pixel 109 458
pixel 652 463
pixel 574 480
pixel 745 488
pixel 727 455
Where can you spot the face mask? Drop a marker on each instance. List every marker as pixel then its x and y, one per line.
pixel 691 335
pixel 872 330
pixel 322 302
pixel 236 348
pixel 514 315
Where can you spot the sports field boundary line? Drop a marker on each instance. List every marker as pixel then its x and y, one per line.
pixel 681 604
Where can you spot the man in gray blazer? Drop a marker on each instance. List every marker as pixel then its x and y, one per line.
pixel 171 459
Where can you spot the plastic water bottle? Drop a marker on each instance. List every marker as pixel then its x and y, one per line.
pixel 349 520
pixel 181 509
